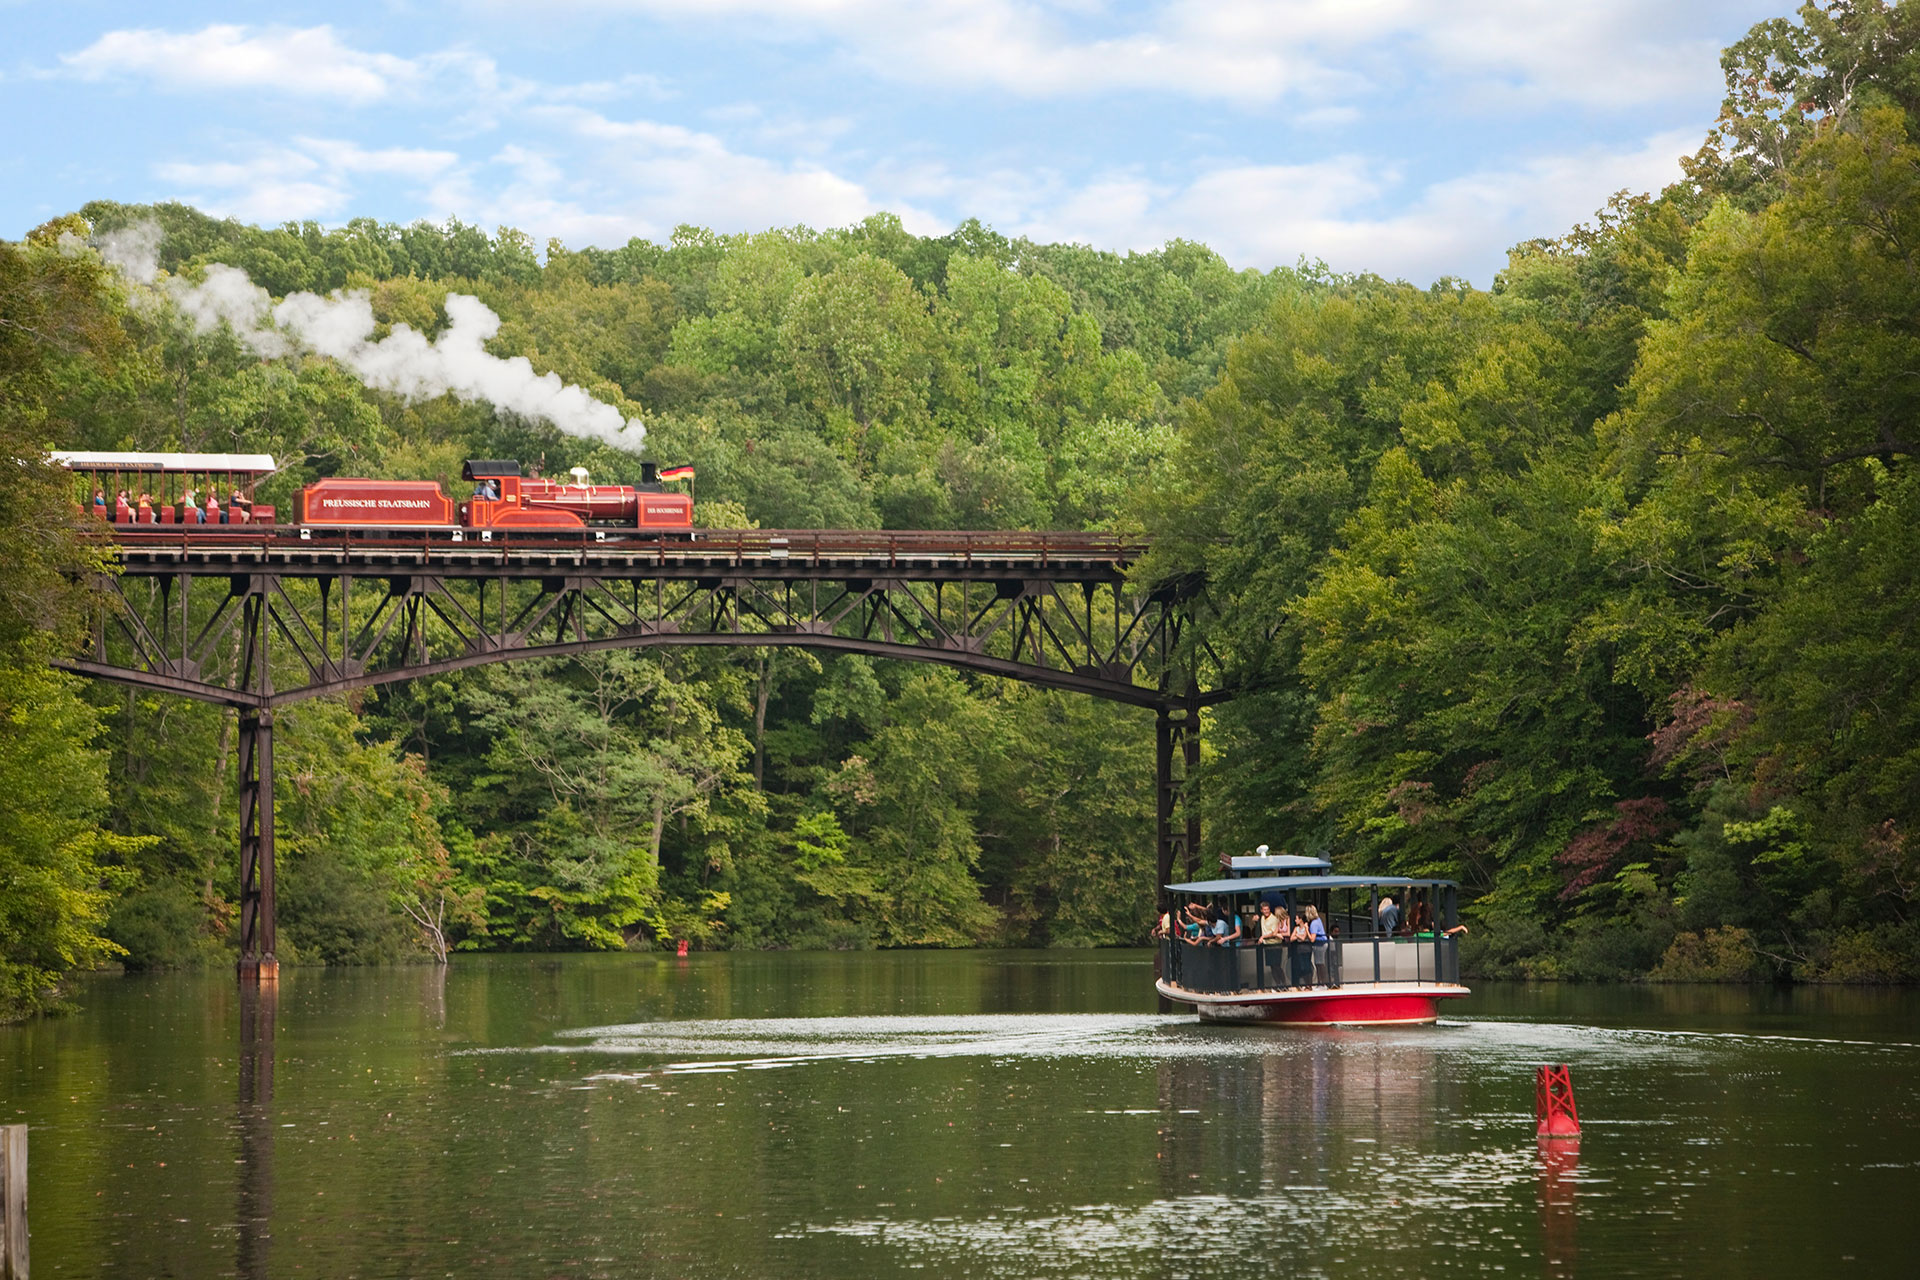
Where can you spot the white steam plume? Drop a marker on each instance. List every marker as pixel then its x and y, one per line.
pixel 404 362
pixel 135 250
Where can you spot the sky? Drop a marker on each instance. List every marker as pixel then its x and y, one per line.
pixel 1414 138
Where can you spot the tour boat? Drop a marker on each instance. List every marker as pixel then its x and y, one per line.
pixel 1362 975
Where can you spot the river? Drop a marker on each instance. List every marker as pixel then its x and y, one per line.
pixel 999 1114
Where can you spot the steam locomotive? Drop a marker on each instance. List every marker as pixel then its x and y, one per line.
pixel 208 493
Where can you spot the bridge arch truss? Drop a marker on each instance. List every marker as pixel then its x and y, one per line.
pixel 261 620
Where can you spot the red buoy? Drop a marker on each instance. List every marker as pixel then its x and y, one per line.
pixel 1553 1103
pixel 683 948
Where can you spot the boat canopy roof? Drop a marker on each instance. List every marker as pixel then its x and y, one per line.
pixel 1261 884
pixel 223 463
pixel 1278 862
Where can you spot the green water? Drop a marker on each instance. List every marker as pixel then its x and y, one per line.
pixel 1016 1114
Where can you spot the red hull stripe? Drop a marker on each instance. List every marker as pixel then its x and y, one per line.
pixel 1345 1006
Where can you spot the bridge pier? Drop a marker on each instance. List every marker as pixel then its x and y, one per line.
pixel 257 960
pixel 1176 732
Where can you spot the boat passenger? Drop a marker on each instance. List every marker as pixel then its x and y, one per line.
pixel 1238 933
pixel 1317 935
pixel 1386 916
pixel 1218 930
pixel 1273 927
pixel 1194 922
pixel 1301 953
pixel 1420 919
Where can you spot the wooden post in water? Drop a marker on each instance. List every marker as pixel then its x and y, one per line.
pixel 13 1202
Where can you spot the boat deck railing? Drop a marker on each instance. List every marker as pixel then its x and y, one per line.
pixel 1284 966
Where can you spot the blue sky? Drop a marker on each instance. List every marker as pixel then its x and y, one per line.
pixel 1409 137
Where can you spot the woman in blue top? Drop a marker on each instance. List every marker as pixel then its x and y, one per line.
pixel 1317 934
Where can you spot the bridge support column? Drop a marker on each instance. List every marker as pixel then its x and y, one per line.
pixel 257 961
pixel 1177 733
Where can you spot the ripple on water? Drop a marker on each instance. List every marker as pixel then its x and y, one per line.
pixel 1307 1230
pixel 746 1044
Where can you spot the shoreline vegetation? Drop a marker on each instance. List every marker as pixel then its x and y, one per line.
pixel 1592 590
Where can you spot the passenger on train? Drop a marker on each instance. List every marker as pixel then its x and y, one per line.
pixel 239 510
pixel 145 515
pixel 488 489
pixel 100 503
pixel 214 514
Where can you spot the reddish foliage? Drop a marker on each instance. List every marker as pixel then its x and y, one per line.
pixel 1593 853
pixel 1414 800
pixel 1699 726
pixel 1888 864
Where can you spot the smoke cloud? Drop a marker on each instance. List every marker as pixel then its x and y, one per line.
pixel 341 326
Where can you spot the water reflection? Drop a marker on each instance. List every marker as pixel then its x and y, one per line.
pixel 888 1116
pixel 1559 1165
pixel 433 994
pixel 259 1007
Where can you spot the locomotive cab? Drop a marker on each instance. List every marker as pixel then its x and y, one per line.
pixel 505 499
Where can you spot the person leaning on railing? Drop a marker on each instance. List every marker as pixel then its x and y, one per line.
pixel 1317 937
pixel 1300 954
pixel 1273 925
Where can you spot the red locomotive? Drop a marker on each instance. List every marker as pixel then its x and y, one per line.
pixel 199 492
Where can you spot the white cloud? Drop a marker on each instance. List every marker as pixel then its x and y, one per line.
pixel 1248 51
pixel 309 62
pixel 349 158
pixel 643 177
pixel 1350 211
pixel 627 86
pixel 309 178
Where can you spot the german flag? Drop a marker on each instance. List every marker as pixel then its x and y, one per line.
pixel 676 473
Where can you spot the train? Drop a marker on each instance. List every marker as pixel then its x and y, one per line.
pixel 203 494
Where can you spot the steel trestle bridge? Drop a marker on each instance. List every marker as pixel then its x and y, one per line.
pixel 257 619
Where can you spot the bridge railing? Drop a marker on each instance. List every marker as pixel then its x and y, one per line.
pixel 893 547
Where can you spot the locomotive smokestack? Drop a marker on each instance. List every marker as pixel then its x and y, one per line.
pixel 649 473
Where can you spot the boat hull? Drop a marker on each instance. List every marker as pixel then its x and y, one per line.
pixel 1371 1004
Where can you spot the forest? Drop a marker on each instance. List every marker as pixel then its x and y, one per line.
pixel 1593 590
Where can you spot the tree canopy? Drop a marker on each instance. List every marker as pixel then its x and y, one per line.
pixel 1592 589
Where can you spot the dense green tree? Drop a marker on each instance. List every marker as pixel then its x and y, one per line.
pixel 59 868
